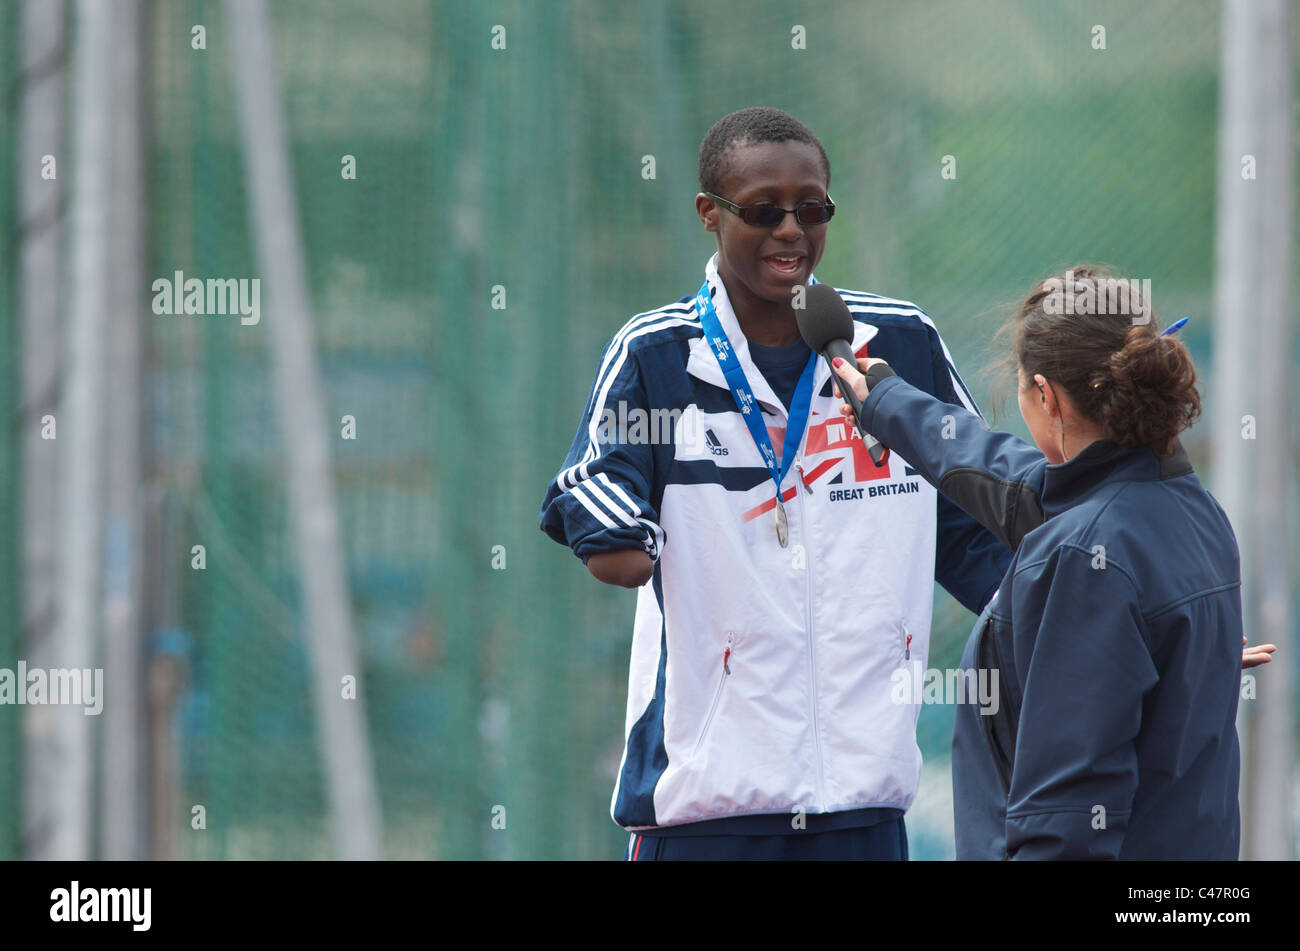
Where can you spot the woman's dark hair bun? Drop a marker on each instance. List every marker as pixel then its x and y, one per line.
pixel 1147 393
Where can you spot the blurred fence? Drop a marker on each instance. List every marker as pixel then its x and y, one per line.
pixel 523 167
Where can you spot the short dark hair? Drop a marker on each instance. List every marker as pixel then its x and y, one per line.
pixel 748 127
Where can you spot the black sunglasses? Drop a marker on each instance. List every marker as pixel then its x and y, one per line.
pixel 769 216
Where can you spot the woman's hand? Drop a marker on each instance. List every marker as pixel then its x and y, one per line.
pixel 1254 656
pixel 856 379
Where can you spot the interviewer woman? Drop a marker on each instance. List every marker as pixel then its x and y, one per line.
pixel 1115 637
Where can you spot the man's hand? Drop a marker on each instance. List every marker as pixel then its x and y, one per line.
pixel 854 378
pixel 1254 656
pixel 628 568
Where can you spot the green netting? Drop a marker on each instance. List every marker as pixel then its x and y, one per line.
pixel 523 168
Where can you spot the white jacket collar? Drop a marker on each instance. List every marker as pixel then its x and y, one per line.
pixel 703 365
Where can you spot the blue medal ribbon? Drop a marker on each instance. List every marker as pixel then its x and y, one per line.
pixel 744 396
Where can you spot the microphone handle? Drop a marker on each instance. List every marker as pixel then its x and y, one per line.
pixel 841 349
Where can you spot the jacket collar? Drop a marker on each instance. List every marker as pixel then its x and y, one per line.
pixel 1102 461
pixel 703 365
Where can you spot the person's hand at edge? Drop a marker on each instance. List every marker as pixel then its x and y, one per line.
pixel 1254 656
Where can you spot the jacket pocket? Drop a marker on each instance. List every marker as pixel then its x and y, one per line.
pixel 999 728
pixel 724 674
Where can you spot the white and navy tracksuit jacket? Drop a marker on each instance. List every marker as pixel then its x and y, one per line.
pixel 760 681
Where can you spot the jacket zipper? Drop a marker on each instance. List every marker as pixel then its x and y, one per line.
pixel 999 757
pixel 1000 760
pixel 717 694
pixel 798 464
pixel 812 650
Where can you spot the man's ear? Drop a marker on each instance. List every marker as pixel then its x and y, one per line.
pixel 707 209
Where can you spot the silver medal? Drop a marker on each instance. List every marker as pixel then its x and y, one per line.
pixel 782 525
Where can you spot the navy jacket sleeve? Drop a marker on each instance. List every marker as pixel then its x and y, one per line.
pixel 600 500
pixel 1081 652
pixel 994 477
pixel 970 562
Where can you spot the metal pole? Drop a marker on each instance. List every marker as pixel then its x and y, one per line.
pixel 1252 351
pixel 81 435
pixel 122 797
pixel 354 804
pixel 1271 809
pixel 41 134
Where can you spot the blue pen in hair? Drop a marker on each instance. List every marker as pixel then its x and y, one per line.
pixel 1176 326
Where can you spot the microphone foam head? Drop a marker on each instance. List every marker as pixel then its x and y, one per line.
pixel 824 317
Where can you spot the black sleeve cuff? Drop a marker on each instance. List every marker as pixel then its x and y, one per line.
pixel 878 372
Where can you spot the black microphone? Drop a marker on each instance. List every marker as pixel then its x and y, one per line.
pixel 827 327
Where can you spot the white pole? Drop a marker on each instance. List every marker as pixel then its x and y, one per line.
pixel 1252 475
pixel 1271 809
pixel 80 434
pixel 40 135
pixel 123 793
pixel 354 804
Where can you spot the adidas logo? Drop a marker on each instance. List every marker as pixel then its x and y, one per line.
pixel 715 447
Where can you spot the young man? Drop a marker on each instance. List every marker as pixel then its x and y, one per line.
pixel 762 718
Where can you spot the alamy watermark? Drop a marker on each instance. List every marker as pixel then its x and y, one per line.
pixel 638 426
pixel 78 903
pixel 63 686
pixel 911 684
pixel 225 296
pixel 1099 295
